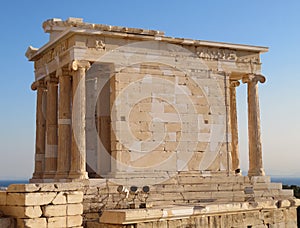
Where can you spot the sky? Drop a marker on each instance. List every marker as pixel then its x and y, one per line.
pixel 271 23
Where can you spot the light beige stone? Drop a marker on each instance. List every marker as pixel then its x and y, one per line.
pixel 54 210
pixel 28 199
pixel 68 186
pixel 74 220
pixel 3 196
pixel 23 188
pixel 75 197
pixel 55 222
pixel 45 187
pixel 60 198
pixel 297 202
pixel 284 203
pixel 32 223
pixel 22 211
pixel 74 209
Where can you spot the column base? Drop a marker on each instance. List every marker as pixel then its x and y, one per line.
pixel 49 180
pixel 62 175
pixel 78 175
pixel 37 175
pixel 49 175
pixel 259 172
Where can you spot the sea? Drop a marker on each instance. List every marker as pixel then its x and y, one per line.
pixel 286 180
pixel 277 179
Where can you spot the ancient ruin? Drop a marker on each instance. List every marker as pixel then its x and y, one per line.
pixel 138 129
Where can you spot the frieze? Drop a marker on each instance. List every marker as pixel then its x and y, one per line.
pixel 98 44
pixel 52 54
pixel 206 53
pixel 225 54
pixel 215 53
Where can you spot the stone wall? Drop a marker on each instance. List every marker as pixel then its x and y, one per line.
pixel 168 108
pixel 226 217
pixel 170 122
pixel 44 205
pixel 186 189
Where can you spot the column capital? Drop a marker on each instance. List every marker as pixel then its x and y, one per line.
pixel 77 64
pixel 38 84
pixel 253 78
pixel 234 83
pixel 51 79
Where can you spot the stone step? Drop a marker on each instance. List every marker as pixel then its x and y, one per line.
pixel 186 189
pixel 181 179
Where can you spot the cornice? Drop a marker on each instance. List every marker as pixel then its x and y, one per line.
pixel 77 26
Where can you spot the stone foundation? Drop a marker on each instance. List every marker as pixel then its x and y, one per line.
pixel 186 200
pixel 221 216
pixel 44 205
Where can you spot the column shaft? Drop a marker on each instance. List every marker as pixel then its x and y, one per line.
pixel 255 147
pixel 64 126
pixel 51 132
pixel 40 131
pixel 78 155
pixel 234 127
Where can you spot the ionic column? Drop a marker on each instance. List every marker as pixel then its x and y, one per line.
pixel 78 155
pixel 51 129
pixel 255 148
pixel 234 126
pixel 40 130
pixel 64 124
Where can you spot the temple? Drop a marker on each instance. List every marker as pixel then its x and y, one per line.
pixel 146 127
pixel 149 103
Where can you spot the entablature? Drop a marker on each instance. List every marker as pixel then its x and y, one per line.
pixel 74 39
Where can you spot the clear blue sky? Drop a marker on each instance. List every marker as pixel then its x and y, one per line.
pixel 259 22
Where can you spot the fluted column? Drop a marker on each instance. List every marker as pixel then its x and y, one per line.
pixel 64 124
pixel 234 126
pixel 40 130
pixel 255 148
pixel 78 155
pixel 51 128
